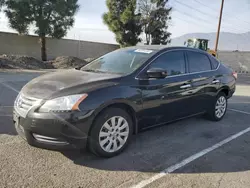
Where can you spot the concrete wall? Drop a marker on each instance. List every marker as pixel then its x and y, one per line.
pixel 29 45
pixel 239 61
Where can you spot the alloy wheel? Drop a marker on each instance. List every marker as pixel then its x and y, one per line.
pixel 114 134
pixel 220 107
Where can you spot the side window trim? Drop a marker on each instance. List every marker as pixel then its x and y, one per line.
pixel 152 61
pixel 210 62
pixel 188 62
pixel 214 59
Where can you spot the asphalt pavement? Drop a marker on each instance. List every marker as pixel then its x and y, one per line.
pixel 188 146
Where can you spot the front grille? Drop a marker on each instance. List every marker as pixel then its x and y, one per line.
pixel 23 104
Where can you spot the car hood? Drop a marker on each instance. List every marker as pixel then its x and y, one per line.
pixel 47 85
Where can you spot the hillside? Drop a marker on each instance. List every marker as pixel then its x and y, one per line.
pixel 228 41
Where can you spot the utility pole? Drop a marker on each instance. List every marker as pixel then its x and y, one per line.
pixel 218 31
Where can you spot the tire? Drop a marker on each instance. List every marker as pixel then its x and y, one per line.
pixel 217 115
pixel 103 135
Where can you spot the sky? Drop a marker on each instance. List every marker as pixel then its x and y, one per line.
pixel 189 16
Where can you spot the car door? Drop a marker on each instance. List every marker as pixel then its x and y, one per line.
pixel 203 79
pixel 166 99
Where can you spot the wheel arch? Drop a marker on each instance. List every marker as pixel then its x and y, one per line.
pixel 119 104
pixel 224 89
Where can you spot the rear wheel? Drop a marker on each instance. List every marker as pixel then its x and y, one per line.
pixel 111 132
pixel 219 108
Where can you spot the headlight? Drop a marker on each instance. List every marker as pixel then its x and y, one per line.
pixel 66 103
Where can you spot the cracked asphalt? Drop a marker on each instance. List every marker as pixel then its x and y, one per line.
pixel 150 152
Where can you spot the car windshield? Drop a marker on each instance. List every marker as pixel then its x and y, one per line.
pixel 123 61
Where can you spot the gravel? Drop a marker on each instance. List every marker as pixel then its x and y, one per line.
pixel 21 62
pixel 27 62
pixel 89 59
pixel 67 62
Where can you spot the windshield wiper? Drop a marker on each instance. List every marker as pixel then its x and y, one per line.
pixel 98 71
pixel 90 70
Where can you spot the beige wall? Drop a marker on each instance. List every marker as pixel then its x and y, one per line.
pixel 29 45
pixel 239 61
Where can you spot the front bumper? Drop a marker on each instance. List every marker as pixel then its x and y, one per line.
pixel 54 130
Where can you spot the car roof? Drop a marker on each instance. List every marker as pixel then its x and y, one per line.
pixel 150 47
pixel 163 47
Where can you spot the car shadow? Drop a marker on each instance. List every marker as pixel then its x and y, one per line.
pixel 158 148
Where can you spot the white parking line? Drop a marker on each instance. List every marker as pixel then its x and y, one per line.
pixel 10 87
pixel 243 112
pixel 238 102
pixel 189 160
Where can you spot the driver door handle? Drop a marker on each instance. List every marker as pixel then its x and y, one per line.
pixel 185 86
pixel 215 81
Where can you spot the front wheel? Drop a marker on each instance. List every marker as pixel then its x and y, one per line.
pixel 111 132
pixel 219 108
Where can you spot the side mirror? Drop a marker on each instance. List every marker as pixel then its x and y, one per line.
pixel 156 73
pixel 185 43
pixel 78 67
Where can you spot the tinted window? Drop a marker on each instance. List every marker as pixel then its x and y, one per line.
pixel 198 62
pixel 172 62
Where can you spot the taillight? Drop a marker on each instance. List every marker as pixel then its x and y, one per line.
pixel 235 75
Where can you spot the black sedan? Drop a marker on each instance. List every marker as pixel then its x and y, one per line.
pixel 119 94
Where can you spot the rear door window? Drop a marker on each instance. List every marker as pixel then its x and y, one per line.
pixel 198 62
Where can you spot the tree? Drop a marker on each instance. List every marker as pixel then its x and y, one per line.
pixel 1 4
pixel 49 17
pixel 155 18
pixel 145 8
pixel 123 21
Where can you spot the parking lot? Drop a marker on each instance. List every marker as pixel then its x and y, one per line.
pixel 190 153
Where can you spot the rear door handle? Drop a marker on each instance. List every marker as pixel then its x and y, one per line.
pixel 215 81
pixel 185 86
